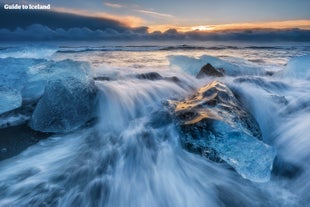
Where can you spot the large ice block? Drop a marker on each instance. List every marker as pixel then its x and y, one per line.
pixel 66 104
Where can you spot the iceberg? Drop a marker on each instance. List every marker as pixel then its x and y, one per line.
pixel 9 99
pixel 297 67
pixel 192 65
pixel 213 123
pixel 63 90
pixel 39 76
pixel 250 157
pixel 13 72
pixel 67 103
pixel 33 90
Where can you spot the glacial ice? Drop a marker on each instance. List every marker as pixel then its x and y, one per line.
pixel 66 104
pixel 30 76
pixel 68 98
pixel 40 75
pixel 214 124
pixel 9 99
pixel 13 72
pixel 16 74
pixel 298 67
pixel 250 157
pixel 33 90
pixel 64 91
pixel 192 65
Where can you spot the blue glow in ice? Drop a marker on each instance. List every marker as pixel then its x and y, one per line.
pixel 9 99
pixel 250 157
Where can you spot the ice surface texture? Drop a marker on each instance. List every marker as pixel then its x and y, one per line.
pixel 297 67
pixel 63 90
pixel 13 77
pixel 68 98
pixel 251 158
pixel 192 65
pixel 9 99
pixel 213 123
pixel 66 104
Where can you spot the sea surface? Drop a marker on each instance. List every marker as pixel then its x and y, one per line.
pixel 121 160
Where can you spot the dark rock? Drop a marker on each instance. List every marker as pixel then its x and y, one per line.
pixel 150 76
pixel 18 116
pixel 283 168
pixel 102 78
pixel 209 70
pixel 269 73
pixel 173 79
pixel 160 119
pixel 14 140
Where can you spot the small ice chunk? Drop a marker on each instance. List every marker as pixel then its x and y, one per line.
pixel 9 99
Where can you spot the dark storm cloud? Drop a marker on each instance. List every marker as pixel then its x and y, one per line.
pixel 50 25
pixel 11 19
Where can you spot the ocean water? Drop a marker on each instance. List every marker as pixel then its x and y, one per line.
pixel 132 155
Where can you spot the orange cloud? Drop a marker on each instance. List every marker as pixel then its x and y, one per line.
pixel 301 24
pixel 130 21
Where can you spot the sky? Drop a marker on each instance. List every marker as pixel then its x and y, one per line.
pixel 188 14
pixel 150 16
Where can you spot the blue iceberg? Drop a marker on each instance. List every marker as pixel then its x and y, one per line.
pixel 9 99
pixel 40 75
pixel 213 123
pixel 297 67
pixel 68 98
pixel 250 157
pixel 192 65
pixel 67 103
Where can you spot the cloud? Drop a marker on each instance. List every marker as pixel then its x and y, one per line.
pixel 140 10
pixel 127 20
pixel 301 24
pixel 64 24
pixel 117 6
pixel 57 19
pixel 38 32
pixel 277 25
pixel 153 13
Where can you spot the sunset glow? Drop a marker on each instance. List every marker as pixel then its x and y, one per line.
pixel 202 28
pixel 292 24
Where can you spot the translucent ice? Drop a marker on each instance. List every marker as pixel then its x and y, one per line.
pixel 66 104
pixel 193 65
pixel 9 99
pixel 13 72
pixel 250 157
pixel 40 74
pixel 298 67
pixel 214 124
